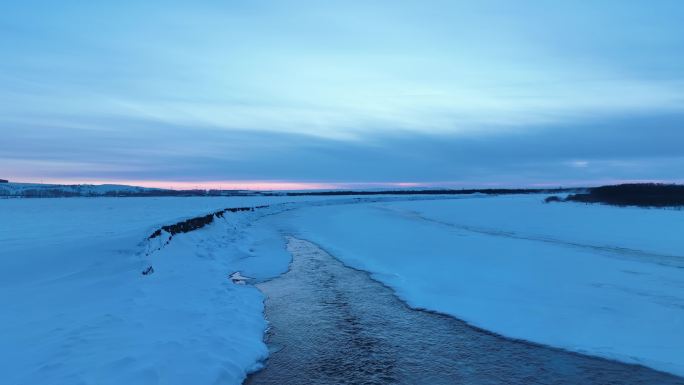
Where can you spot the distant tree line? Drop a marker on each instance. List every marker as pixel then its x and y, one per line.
pixel 494 191
pixel 79 191
pixel 82 191
pixel 631 194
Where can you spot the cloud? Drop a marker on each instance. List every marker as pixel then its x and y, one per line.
pixel 578 163
pixel 342 91
pixel 631 148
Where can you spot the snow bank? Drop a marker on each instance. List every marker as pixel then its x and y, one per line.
pixel 600 280
pixel 77 310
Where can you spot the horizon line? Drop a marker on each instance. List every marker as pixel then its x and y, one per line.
pixel 284 185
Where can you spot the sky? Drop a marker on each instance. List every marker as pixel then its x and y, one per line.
pixel 325 94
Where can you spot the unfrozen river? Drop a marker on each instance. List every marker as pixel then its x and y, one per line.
pixel 331 324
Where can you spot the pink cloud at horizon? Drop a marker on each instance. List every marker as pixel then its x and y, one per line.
pixel 234 184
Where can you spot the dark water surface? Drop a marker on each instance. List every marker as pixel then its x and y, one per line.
pixel 331 324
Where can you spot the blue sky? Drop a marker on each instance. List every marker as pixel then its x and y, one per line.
pixel 342 92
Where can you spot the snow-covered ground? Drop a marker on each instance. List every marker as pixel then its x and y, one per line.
pixel 76 308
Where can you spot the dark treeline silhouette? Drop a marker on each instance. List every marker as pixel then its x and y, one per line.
pixel 494 191
pixel 82 191
pixel 635 194
pixel 51 192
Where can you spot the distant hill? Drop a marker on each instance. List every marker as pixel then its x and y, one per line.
pixel 36 190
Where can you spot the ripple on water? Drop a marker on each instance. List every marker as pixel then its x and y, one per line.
pixel 330 324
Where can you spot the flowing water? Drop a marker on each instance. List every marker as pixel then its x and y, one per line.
pixel 331 324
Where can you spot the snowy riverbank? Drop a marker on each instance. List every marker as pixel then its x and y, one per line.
pixel 77 310
pixel 595 279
